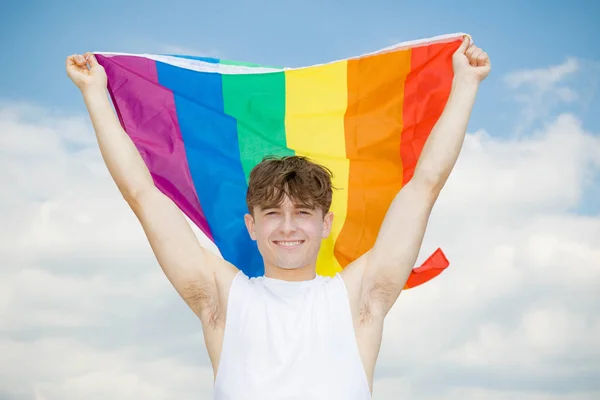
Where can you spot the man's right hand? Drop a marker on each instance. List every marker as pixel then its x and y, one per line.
pixel 85 71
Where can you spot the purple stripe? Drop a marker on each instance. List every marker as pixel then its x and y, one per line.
pixel 148 115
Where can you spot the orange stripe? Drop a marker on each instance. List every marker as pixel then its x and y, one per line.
pixel 373 126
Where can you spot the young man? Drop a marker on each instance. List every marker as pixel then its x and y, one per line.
pixel 290 334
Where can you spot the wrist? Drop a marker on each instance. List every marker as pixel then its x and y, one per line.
pixel 94 96
pixel 93 91
pixel 465 82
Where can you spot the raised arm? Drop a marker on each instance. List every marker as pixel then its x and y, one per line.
pixel 385 269
pixel 201 278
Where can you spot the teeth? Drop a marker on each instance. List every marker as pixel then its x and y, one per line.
pixel 296 243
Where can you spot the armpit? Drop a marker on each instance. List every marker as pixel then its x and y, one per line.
pixel 377 299
pixel 203 302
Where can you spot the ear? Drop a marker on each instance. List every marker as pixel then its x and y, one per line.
pixel 327 223
pixel 250 225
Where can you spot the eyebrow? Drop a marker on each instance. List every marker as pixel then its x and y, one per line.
pixel 300 206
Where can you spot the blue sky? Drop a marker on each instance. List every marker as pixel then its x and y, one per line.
pixel 519 219
pixel 36 36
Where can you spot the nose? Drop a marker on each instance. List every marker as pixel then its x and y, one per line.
pixel 288 223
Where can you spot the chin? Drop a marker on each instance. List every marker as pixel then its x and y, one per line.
pixel 289 265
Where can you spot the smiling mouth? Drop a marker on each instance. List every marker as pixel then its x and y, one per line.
pixel 288 243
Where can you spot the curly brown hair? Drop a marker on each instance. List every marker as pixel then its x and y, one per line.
pixel 305 183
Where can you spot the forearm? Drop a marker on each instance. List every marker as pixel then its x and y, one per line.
pixel 445 141
pixel 122 158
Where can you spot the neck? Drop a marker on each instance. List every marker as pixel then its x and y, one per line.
pixel 305 273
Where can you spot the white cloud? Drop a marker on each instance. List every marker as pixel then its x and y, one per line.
pixel 83 302
pixel 64 368
pixel 542 92
pixel 547 169
pixel 399 389
pixel 543 78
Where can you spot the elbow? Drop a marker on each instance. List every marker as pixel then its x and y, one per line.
pixel 430 181
pixel 133 194
pixel 135 186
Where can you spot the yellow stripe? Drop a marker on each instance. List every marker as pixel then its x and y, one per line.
pixel 316 100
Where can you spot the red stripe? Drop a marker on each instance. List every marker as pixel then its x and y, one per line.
pixel 432 267
pixel 426 92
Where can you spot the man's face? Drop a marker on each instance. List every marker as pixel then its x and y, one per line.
pixel 289 236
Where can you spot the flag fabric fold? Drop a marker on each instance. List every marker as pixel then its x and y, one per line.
pixel 201 124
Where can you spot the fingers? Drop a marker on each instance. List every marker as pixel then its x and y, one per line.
pixel 476 56
pixel 465 44
pixel 469 54
pixel 473 54
pixel 483 59
pixel 73 59
pixel 78 59
pixel 91 58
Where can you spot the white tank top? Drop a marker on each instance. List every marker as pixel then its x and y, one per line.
pixel 289 340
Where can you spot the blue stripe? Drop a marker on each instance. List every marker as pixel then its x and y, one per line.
pixel 211 142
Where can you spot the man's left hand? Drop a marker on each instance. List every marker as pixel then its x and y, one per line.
pixel 470 63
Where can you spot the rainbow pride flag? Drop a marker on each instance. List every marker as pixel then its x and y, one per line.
pixel 201 125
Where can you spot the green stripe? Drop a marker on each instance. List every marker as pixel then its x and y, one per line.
pixel 257 102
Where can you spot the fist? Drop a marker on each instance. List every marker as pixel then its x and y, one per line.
pixel 86 72
pixel 470 62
